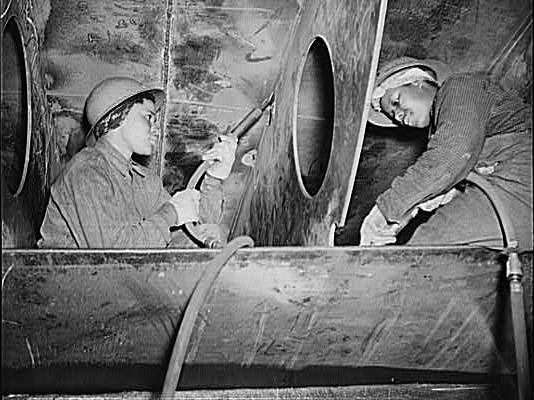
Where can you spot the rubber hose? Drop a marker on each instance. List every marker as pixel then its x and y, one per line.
pixel 509 235
pixel 238 131
pixel 196 301
pixel 520 337
pixel 516 287
pixel 195 178
pixel 190 226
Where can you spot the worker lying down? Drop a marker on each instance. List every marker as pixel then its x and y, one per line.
pixel 474 126
pixel 103 199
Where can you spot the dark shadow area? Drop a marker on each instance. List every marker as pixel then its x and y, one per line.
pixel 314 119
pixel 21 190
pixel 14 110
pixel 91 379
pixel 386 153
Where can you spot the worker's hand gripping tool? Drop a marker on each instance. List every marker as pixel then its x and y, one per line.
pixel 238 131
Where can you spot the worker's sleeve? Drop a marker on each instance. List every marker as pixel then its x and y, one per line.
pixel 461 111
pixel 98 220
pixel 55 232
pixel 211 200
pixel 159 195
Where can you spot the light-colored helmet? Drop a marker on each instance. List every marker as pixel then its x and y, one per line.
pixel 110 94
pixel 439 70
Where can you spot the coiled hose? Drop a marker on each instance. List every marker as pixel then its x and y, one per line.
pixel 514 274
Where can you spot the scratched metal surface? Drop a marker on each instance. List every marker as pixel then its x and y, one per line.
pixel 224 59
pixel 88 41
pixel 274 210
pixel 286 312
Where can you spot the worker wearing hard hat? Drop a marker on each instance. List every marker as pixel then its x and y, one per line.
pixel 474 126
pixel 103 199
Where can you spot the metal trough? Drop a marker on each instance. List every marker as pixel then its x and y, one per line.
pixel 104 321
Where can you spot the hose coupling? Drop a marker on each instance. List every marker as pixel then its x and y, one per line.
pixel 514 269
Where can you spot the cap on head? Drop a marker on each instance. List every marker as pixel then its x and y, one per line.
pixel 432 69
pixel 110 94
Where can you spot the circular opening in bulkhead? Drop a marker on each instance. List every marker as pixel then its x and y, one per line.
pixel 15 108
pixel 313 117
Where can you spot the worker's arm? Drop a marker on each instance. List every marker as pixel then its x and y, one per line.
pixel 221 156
pixel 461 111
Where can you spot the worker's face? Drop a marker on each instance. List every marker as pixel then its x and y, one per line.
pixel 140 128
pixel 409 105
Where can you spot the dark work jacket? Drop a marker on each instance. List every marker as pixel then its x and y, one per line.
pixel 475 126
pixel 103 200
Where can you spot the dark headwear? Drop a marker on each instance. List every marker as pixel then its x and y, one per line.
pixel 437 71
pixel 111 94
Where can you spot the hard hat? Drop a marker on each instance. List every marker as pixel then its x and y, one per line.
pixel 438 69
pixel 110 94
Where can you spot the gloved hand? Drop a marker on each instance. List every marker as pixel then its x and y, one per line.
pixel 186 203
pixel 209 233
pixel 376 231
pixel 437 201
pixel 222 155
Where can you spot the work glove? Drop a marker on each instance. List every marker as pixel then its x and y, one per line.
pixel 202 233
pixel 376 231
pixel 211 234
pixel 222 156
pixel 186 203
pixel 432 204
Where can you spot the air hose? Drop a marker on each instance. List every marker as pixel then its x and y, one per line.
pixel 214 267
pixel 514 275
pixel 238 131
pixel 200 292
pixel 206 242
pixel 196 301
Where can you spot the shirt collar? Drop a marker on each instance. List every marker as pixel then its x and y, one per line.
pixel 116 159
